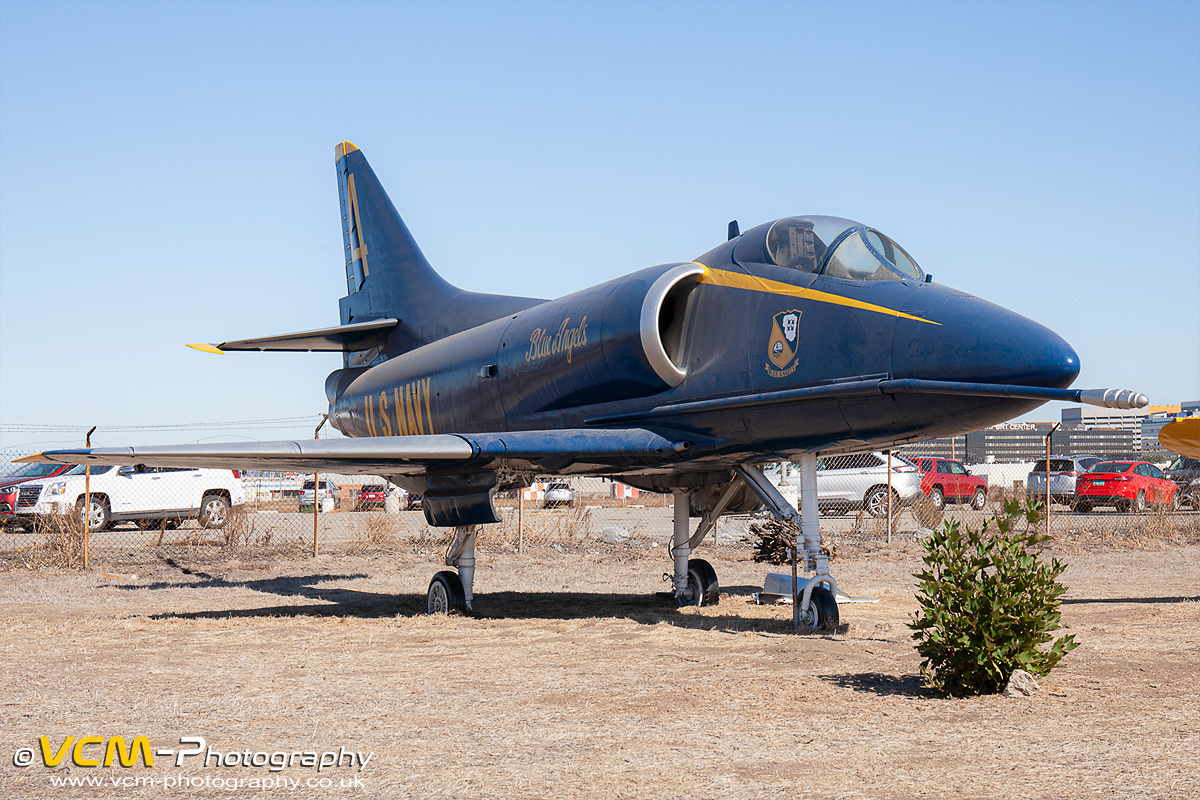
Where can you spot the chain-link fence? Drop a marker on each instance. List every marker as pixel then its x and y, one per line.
pixel 65 516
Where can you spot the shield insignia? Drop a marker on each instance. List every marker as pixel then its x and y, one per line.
pixel 782 346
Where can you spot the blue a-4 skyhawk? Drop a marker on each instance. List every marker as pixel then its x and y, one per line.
pixel 802 336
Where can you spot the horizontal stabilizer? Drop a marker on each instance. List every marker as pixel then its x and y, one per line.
pixel 338 338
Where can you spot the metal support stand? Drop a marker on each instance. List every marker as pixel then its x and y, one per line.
pixel 681 547
pixel 462 556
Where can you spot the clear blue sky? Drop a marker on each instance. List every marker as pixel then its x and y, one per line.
pixel 166 172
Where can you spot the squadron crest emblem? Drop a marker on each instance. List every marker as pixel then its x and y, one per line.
pixel 782 346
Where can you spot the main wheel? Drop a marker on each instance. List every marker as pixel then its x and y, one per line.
pixel 979 499
pixel 214 511
pixel 822 611
pixel 98 514
pixel 703 587
pixel 876 501
pixel 445 594
pixel 937 497
pixel 1139 503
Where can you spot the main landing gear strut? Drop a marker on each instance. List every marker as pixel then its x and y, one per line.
pixel 454 592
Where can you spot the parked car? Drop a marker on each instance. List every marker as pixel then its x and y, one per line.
pixel 1186 472
pixel 558 495
pixel 944 480
pixel 1125 485
pixel 150 495
pixel 1064 471
pixel 371 496
pixel 10 486
pixel 415 502
pixel 328 493
pixel 859 481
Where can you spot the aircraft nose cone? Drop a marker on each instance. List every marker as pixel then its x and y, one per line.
pixel 977 341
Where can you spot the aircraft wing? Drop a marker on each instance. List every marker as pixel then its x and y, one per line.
pixel 1182 436
pixel 390 455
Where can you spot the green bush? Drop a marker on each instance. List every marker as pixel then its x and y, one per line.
pixel 988 605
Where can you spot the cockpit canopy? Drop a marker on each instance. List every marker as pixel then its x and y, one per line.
pixel 839 248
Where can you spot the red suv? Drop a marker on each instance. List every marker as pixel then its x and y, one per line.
pixel 945 480
pixel 371 495
pixel 10 485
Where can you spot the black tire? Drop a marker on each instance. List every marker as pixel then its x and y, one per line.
pixel 703 587
pixel 875 501
pixel 979 499
pixel 1138 506
pixel 445 594
pixel 822 611
pixel 1082 508
pixel 214 511
pixel 98 511
pixel 937 497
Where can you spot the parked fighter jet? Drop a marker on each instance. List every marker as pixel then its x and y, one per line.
pixel 801 336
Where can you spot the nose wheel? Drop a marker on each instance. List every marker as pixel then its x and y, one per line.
pixel 822 611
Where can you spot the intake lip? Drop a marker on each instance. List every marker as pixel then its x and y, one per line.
pixel 661 324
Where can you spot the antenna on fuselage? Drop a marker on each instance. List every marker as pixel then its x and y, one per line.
pixel 734 231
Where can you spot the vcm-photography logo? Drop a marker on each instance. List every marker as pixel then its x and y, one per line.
pixel 95 751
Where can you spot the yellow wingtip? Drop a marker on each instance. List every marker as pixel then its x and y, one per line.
pixel 207 348
pixel 36 458
pixel 1182 436
pixel 342 149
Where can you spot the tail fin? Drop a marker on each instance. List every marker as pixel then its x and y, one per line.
pixel 388 276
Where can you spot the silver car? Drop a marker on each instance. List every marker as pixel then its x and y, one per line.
pixel 860 481
pixel 558 495
pixel 1063 472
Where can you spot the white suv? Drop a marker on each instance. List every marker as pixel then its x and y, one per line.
pixel 860 480
pixel 158 495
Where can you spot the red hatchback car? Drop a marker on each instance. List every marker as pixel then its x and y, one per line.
pixel 1125 485
pixel 945 480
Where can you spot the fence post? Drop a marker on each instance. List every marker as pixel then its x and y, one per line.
pixel 1048 435
pixel 87 502
pixel 317 492
pixel 889 497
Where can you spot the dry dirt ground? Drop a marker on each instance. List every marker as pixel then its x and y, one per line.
pixel 573 681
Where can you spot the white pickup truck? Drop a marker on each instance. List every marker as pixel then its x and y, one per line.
pixel 153 495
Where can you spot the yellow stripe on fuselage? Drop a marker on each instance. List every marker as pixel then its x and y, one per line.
pixel 738 280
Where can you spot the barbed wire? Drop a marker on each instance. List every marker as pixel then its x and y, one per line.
pixel 244 424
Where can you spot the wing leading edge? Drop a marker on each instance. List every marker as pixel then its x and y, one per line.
pixel 391 455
